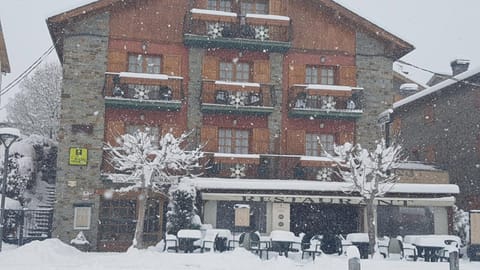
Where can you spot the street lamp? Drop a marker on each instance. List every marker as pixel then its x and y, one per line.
pixel 7 138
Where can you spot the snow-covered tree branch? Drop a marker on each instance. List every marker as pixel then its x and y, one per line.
pixel 372 174
pixel 151 166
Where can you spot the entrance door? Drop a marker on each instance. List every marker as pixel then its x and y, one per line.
pixel 315 219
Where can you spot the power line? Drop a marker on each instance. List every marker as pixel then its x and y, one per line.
pixel 26 72
pixel 451 77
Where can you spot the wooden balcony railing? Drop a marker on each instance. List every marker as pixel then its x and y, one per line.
pixel 325 101
pixel 225 29
pixel 139 90
pixel 236 97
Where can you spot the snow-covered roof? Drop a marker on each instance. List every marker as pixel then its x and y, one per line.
pixel 304 185
pixel 460 77
pixel 241 84
pixel 268 17
pixel 213 12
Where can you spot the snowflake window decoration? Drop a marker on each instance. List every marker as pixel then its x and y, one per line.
pixel 238 171
pixel 215 30
pixel 328 103
pixel 141 93
pixel 261 32
pixel 238 100
pixel 324 174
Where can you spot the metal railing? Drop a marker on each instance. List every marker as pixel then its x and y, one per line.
pixel 24 226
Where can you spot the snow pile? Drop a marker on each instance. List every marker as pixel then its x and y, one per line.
pixel 53 254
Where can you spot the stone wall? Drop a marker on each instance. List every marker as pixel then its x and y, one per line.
pixel 275 118
pixel 194 115
pixel 84 66
pixel 375 75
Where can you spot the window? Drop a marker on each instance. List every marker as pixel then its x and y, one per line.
pixel 117 220
pixel 254 6
pixel 221 5
pixel 320 75
pixel 233 141
pixel 312 148
pixel 82 217
pixel 140 63
pixel 239 72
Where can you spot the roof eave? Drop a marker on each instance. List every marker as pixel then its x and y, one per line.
pixel 398 47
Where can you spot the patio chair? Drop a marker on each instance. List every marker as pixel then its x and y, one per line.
pixel 311 246
pixel 451 246
pixel 208 241
pixel 395 249
pixel 258 246
pixel 171 242
pixel 331 244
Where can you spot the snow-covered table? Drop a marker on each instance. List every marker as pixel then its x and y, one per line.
pixel 187 238
pixel 361 241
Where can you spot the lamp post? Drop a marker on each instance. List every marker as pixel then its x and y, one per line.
pixel 7 138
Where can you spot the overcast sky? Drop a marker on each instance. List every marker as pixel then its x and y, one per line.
pixel 441 30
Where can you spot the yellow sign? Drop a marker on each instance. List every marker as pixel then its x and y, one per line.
pixel 78 156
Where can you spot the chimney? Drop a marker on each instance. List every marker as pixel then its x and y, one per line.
pixel 459 66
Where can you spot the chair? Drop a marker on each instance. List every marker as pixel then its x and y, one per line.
pixel 331 244
pixel 257 245
pixel 208 241
pixel 311 246
pixel 395 249
pixel 171 242
pixel 450 246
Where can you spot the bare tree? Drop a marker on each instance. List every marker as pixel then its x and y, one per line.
pixel 151 167
pixel 371 173
pixel 35 110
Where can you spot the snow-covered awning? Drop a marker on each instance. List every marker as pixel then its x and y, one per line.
pixel 148 76
pixel 241 84
pixel 326 89
pixel 318 186
pixel 213 12
pixel 267 19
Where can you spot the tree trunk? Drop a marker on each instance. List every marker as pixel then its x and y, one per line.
pixel 371 226
pixel 142 207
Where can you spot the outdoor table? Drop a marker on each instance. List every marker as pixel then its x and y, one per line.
pixel 361 241
pixel 282 241
pixel 187 238
pixel 430 247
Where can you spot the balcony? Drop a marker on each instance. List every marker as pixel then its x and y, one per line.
pixel 143 91
pixel 236 97
pixel 325 101
pixel 259 32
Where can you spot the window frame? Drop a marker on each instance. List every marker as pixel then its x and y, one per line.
pixel 237 142
pixel 319 74
pixel 76 217
pixel 142 64
pixel 220 5
pixel 253 7
pixel 313 148
pixel 236 71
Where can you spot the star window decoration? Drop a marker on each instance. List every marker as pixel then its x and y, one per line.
pixel 215 30
pixel 141 93
pixel 238 171
pixel 238 100
pixel 328 103
pixel 324 174
pixel 261 32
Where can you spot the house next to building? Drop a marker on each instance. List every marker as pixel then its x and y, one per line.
pixel 438 125
pixel 258 81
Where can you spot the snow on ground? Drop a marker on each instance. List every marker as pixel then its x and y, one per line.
pixel 52 254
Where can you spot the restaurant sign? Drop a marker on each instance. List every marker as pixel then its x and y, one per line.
pixel 318 199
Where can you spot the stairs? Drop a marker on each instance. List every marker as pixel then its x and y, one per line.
pixel 49 198
pixel 38 223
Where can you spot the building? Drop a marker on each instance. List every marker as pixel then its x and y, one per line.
pixel 4 64
pixel 438 125
pixel 258 81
